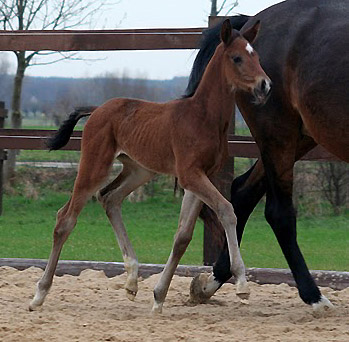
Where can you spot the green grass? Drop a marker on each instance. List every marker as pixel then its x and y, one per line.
pixel 26 232
pixel 45 155
pixel 323 240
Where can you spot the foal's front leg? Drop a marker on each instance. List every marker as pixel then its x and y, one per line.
pixel 190 210
pixel 246 191
pixel 202 187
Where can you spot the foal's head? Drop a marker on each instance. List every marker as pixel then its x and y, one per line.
pixel 241 62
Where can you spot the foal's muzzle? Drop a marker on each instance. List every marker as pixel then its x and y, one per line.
pixel 262 92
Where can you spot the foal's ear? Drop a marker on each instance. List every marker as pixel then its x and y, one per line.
pixel 251 34
pixel 226 32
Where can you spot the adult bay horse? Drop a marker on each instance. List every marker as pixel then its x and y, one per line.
pixel 303 46
pixel 186 138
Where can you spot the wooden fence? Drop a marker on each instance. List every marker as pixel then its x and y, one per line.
pixel 138 39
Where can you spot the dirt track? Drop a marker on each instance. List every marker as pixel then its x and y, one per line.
pixel 94 308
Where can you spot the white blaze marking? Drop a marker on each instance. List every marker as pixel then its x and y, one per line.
pixel 249 48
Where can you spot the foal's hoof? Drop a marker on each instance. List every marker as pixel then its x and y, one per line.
pixel 322 307
pixel 198 289
pixel 157 308
pixel 38 299
pixel 243 291
pixel 33 305
pixel 131 295
pixel 131 288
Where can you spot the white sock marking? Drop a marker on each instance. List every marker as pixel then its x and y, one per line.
pixel 322 304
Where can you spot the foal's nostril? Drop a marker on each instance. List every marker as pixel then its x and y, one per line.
pixel 262 91
pixel 263 85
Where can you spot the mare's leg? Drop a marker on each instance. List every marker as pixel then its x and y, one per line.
pixel 246 191
pixel 131 177
pixel 191 207
pixel 96 161
pixel 280 214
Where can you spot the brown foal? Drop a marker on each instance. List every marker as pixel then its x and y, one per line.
pixel 186 138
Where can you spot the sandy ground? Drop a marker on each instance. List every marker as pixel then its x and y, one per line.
pixel 94 308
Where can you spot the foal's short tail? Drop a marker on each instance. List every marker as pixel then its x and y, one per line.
pixel 62 136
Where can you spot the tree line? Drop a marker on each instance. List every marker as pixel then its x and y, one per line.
pixel 54 97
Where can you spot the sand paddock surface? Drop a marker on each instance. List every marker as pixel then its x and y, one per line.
pixel 94 308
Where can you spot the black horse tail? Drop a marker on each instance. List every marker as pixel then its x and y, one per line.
pixel 210 40
pixel 62 136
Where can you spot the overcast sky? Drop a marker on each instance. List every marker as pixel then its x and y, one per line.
pixel 163 64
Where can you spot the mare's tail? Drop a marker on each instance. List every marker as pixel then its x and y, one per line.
pixel 62 136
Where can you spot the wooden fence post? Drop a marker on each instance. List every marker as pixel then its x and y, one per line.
pixel 3 114
pixel 222 180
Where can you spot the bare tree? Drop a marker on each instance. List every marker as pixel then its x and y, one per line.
pixel 334 179
pixel 226 6
pixel 4 69
pixel 40 15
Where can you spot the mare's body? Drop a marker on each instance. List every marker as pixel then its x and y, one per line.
pixel 303 46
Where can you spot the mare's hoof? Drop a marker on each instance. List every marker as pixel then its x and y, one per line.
pixel 322 307
pixel 197 289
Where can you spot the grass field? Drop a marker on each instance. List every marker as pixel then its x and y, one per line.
pixel 27 224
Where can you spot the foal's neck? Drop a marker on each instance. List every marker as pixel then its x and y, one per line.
pixel 214 93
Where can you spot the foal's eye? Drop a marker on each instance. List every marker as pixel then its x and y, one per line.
pixel 237 59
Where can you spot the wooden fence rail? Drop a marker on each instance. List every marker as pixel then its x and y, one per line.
pixel 98 40
pixel 34 139
pixel 333 279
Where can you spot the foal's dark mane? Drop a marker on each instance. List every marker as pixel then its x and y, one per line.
pixel 207 50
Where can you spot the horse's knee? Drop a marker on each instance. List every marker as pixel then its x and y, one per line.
pixel 110 201
pixel 182 241
pixel 226 214
pixel 183 238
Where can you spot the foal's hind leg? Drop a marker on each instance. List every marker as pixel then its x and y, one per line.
pixel 131 177
pixel 190 210
pixel 93 170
